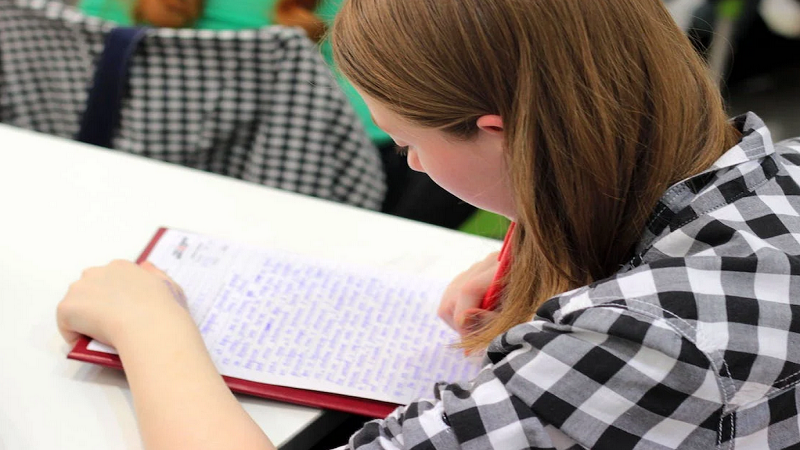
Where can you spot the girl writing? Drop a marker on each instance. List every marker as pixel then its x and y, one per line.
pixel 651 293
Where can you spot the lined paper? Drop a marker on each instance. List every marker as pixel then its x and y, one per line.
pixel 290 320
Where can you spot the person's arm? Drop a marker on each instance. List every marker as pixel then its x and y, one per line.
pixel 181 401
pixel 605 377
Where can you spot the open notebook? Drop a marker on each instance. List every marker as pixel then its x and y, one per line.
pixel 308 331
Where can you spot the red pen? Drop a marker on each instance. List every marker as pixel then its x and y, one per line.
pixel 495 289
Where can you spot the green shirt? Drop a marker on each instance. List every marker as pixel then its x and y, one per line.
pixel 245 14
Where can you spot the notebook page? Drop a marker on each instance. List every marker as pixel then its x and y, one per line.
pixel 290 320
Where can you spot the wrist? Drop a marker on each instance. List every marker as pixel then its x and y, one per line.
pixel 167 328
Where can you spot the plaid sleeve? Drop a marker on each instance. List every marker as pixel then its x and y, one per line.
pixel 605 378
pixel 479 415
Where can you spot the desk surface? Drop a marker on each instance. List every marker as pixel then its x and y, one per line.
pixel 66 206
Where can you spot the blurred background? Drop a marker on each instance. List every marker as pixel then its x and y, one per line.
pixel 754 48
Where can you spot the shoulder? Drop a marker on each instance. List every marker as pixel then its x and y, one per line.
pixel 650 312
pixel 789 151
pixel 731 309
pixel 792 143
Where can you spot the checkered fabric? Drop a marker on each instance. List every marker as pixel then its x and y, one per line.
pixel 694 345
pixel 259 105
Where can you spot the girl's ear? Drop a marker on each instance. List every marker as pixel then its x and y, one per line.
pixel 492 124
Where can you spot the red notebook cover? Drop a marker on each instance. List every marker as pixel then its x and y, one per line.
pixel 325 400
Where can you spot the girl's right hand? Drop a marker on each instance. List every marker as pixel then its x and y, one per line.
pixel 460 306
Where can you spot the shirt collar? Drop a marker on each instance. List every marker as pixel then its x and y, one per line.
pixel 756 143
pixel 702 191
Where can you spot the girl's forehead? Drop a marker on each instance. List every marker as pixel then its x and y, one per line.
pixel 384 118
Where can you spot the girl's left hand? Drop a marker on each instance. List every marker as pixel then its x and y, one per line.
pixel 108 303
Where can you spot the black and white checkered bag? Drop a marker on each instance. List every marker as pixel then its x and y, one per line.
pixel 259 105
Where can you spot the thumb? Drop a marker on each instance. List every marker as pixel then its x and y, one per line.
pixel 70 337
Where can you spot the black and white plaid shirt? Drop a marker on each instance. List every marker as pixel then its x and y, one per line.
pixel 696 345
pixel 260 105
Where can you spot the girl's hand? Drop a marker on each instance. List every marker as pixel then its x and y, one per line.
pixel 460 306
pixel 108 302
pixel 183 404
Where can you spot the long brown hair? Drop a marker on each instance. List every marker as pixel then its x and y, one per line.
pixel 605 104
pixel 166 13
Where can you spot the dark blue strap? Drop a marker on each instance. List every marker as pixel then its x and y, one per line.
pixel 101 117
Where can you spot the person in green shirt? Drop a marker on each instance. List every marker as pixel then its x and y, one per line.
pixel 405 187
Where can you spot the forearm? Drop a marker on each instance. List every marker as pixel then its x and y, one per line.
pixel 180 399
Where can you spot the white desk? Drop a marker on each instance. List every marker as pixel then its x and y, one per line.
pixel 65 206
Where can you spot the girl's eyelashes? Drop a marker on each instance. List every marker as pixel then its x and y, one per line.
pixel 402 150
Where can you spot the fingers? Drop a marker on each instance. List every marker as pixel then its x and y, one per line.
pixel 466 292
pixel 472 294
pixel 70 337
pixel 148 266
pixel 449 298
pixel 65 311
pixel 492 257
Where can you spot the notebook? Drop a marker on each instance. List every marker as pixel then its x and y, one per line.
pixel 306 330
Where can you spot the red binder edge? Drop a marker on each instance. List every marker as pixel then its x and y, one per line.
pixel 315 399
